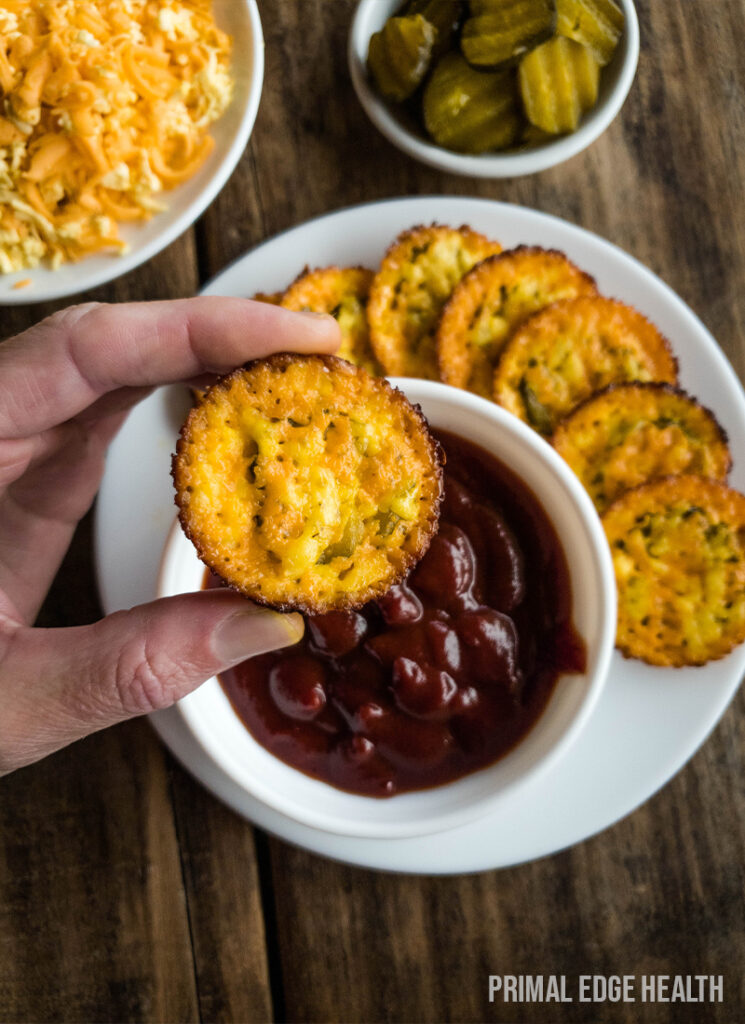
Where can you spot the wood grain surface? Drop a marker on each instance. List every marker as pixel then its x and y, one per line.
pixel 128 894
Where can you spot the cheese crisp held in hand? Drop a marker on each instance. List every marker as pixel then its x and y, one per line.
pixel 307 484
pixel 678 548
pixel 492 301
pixel 417 275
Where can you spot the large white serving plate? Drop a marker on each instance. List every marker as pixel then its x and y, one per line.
pixel 648 721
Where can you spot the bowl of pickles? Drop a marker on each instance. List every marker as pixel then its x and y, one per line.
pixel 493 88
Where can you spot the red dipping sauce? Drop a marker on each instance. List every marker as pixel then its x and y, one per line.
pixel 448 671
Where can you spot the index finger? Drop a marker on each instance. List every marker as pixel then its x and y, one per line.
pixel 56 369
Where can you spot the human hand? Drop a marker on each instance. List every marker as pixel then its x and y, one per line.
pixel 66 386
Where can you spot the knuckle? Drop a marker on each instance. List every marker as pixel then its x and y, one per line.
pixel 71 315
pixel 145 678
pixel 15 456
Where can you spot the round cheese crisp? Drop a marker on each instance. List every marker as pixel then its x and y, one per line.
pixel 563 354
pixel 307 484
pixel 631 434
pixel 341 292
pixel 678 548
pixel 491 301
pixel 417 275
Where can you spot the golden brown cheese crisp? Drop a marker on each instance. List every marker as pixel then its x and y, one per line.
pixel 678 548
pixel 417 275
pixel 343 293
pixel 562 355
pixel 307 484
pixel 491 301
pixel 631 434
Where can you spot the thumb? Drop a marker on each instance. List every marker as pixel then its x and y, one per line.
pixel 57 685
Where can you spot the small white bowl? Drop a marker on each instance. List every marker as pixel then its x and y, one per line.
pixel 615 82
pixel 240 19
pixel 209 715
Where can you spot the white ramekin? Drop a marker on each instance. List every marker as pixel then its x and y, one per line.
pixel 210 716
pixel 615 82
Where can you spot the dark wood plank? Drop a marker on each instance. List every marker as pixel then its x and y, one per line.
pixel 93 920
pixel 226 915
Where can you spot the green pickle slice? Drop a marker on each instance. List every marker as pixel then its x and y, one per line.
pixel 470 111
pixel 499 32
pixel 597 24
pixel 558 84
pixel 444 15
pixel 399 56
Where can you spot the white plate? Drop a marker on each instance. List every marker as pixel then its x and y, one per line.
pixel 648 721
pixel 240 19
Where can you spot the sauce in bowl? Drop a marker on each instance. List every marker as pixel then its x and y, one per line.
pixel 443 675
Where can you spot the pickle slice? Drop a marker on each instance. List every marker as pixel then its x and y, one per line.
pixel 558 83
pixel 470 111
pixel 532 136
pixel 597 24
pixel 444 15
pixel 499 32
pixel 399 56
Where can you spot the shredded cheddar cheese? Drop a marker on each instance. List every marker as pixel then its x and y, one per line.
pixel 103 104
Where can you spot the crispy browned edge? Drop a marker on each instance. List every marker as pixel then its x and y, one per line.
pixel 649 385
pixel 534 249
pixel 665 341
pixel 664 481
pixel 403 238
pixel 307 271
pixel 283 359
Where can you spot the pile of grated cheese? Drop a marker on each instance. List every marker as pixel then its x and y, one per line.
pixel 103 105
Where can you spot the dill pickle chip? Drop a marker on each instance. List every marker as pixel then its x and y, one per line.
pixel 499 32
pixel 532 136
pixel 399 56
pixel 444 15
pixel 597 24
pixel 558 84
pixel 470 111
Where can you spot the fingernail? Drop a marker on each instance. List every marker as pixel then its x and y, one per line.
pixel 256 631
pixel 316 316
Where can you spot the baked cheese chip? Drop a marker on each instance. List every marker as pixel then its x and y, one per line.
pixel 491 301
pixel 307 484
pixel 417 275
pixel 343 293
pixel 631 434
pixel 678 548
pixel 563 354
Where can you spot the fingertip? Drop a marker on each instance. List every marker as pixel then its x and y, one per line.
pixel 296 622
pixel 321 332
pixel 252 631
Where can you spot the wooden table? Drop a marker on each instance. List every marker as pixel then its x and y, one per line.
pixel 128 894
